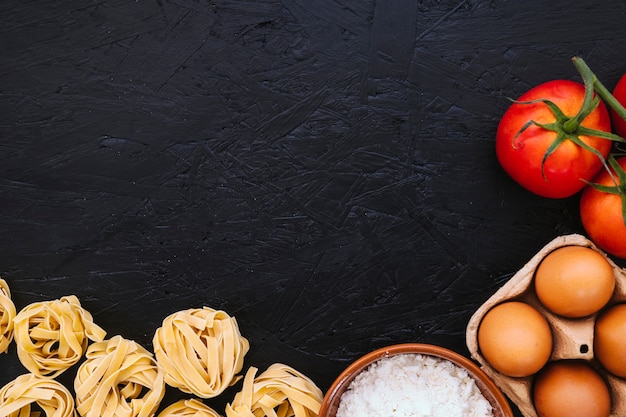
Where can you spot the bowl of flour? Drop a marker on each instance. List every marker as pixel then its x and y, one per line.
pixel 414 380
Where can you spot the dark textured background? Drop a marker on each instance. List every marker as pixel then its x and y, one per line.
pixel 322 170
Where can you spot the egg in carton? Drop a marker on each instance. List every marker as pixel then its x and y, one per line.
pixel 572 338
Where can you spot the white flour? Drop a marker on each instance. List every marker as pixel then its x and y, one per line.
pixel 413 385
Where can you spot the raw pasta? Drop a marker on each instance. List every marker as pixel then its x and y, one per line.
pixel 51 336
pixel 18 397
pixel 7 314
pixel 119 378
pixel 200 351
pixel 188 408
pixel 280 391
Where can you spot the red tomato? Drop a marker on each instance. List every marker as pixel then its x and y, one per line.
pixel 619 124
pixel 522 156
pixel 601 215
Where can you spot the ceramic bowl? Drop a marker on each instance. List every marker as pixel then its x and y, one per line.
pixel 499 403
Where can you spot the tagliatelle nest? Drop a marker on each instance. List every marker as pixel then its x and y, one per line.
pixel 18 397
pixel 200 351
pixel 119 378
pixel 188 408
pixel 7 314
pixel 280 391
pixel 51 336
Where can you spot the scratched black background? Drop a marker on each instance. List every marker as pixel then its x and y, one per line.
pixel 322 170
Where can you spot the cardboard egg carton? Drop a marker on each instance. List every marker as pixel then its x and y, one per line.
pixel 572 338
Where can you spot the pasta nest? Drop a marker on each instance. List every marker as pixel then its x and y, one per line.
pixel 18 396
pixel 51 336
pixel 280 391
pixel 7 314
pixel 200 351
pixel 188 408
pixel 119 378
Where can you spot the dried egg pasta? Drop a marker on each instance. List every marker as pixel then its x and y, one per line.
pixel 17 398
pixel 119 378
pixel 188 408
pixel 280 391
pixel 200 351
pixel 53 335
pixel 7 314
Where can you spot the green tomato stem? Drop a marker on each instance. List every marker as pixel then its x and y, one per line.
pixel 599 88
pixel 589 104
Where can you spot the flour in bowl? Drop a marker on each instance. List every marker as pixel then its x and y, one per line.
pixel 413 385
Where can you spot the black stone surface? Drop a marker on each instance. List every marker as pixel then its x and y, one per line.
pixel 324 171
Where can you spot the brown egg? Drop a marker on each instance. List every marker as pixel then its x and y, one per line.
pixel 515 339
pixel 570 388
pixel 574 281
pixel 609 343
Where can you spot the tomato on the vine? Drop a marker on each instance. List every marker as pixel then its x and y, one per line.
pixel 619 92
pixel 549 140
pixel 602 211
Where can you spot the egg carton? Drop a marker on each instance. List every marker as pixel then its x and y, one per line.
pixel 572 338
